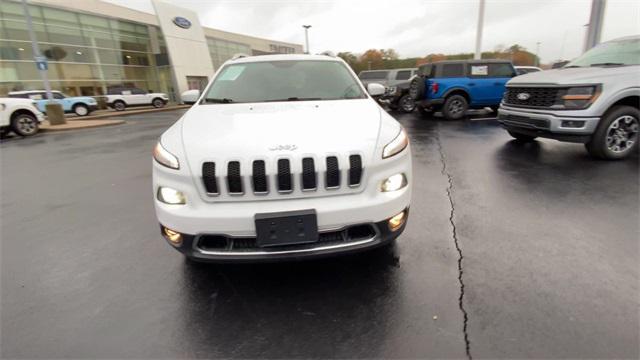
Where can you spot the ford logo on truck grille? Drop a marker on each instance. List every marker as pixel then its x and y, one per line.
pixel 182 22
pixel 523 96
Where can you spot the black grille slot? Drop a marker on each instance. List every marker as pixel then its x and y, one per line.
pixel 537 96
pixel 259 177
pixel 524 121
pixel 333 172
pixel 209 177
pixel 234 180
pixel 309 181
pixel 355 170
pixel 284 176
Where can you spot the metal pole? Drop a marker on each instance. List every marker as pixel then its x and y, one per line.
pixel 594 28
pixel 36 49
pixel 306 36
pixel 537 51
pixel 478 54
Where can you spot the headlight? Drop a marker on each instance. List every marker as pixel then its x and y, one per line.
pixel 394 183
pixel 576 97
pixel 171 196
pixel 396 145
pixel 164 157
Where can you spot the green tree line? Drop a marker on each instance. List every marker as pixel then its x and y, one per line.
pixel 377 59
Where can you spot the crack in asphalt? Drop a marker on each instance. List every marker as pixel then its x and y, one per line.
pixel 456 242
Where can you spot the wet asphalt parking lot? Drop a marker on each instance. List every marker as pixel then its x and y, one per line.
pixel 511 251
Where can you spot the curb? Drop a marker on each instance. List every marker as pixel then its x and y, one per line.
pixel 128 112
pixel 49 128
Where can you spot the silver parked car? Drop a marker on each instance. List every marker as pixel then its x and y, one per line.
pixel 388 78
pixel 594 100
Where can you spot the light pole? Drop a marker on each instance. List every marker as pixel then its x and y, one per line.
pixel 594 27
pixel 538 51
pixel 478 54
pixel 36 51
pixel 306 36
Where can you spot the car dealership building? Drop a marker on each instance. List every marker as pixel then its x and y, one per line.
pixel 91 45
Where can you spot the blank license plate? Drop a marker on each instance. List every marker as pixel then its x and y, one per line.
pixel 286 228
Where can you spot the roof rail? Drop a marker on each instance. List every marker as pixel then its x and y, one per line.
pixel 327 53
pixel 239 56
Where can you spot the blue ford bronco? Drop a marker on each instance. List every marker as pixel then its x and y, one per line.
pixel 453 87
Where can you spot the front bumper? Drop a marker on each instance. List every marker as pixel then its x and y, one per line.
pixel 191 246
pixel 548 124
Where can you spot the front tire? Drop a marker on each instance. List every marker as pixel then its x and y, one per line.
pixel 119 105
pixel 157 103
pixel 81 110
pixel 521 137
pixel 617 134
pixel 455 107
pixel 24 124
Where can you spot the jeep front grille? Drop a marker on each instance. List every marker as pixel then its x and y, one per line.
pixel 537 96
pixel 285 176
pixel 333 172
pixel 309 178
pixel 209 178
pixel 260 185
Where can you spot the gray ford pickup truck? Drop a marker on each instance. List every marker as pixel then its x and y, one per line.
pixel 592 100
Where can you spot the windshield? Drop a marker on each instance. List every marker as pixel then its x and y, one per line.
pixel 283 81
pixel 373 75
pixel 622 52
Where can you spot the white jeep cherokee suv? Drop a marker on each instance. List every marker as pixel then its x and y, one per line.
pixel 283 156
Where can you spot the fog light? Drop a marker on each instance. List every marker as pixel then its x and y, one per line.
pixel 394 183
pixel 572 124
pixel 396 222
pixel 171 196
pixel 173 236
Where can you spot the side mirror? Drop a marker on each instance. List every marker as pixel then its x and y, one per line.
pixel 190 96
pixel 375 89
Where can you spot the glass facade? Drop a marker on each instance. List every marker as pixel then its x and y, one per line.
pixel 86 53
pixel 223 50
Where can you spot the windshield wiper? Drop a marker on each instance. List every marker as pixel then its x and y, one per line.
pixel 607 64
pixel 570 66
pixel 294 99
pixel 218 101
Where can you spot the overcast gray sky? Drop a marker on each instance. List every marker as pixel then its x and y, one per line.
pixel 415 27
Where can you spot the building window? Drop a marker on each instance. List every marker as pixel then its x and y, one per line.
pixel 222 50
pixel 86 53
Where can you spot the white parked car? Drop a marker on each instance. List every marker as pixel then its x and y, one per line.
pixel 121 98
pixel 285 156
pixel 190 97
pixel 20 116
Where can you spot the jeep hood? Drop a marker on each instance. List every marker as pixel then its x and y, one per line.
pixel 572 76
pixel 246 132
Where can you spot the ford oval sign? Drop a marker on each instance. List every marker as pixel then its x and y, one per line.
pixel 182 22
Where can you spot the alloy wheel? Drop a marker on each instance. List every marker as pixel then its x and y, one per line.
pixel 622 134
pixel 27 125
pixel 455 107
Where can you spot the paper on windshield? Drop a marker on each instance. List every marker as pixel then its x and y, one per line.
pixel 232 73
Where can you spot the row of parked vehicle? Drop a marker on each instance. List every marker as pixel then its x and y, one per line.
pixel 593 100
pixel 23 111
